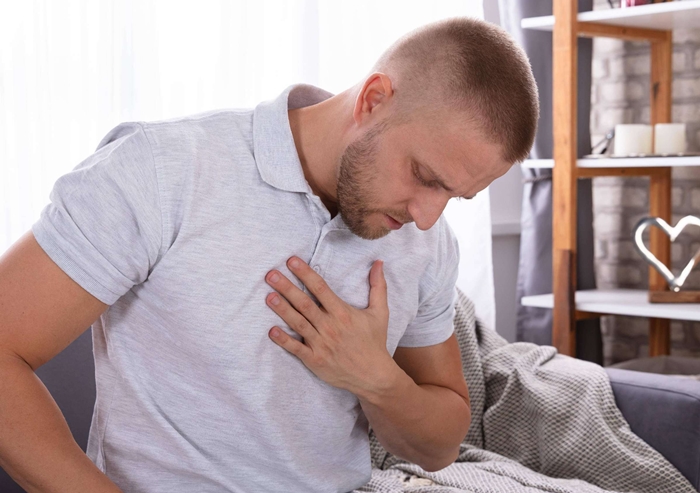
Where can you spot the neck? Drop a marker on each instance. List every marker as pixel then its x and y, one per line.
pixel 318 132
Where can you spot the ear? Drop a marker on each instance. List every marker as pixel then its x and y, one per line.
pixel 375 94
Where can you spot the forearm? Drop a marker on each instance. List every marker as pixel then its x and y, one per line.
pixel 423 424
pixel 36 446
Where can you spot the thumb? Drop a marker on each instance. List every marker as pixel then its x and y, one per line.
pixel 377 283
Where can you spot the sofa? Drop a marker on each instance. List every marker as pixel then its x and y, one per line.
pixel 663 410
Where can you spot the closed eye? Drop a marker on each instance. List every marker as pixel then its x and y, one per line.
pixel 433 183
pixel 429 184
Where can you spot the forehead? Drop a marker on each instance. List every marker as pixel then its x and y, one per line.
pixel 454 149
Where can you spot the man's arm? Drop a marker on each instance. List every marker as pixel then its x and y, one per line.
pixel 42 310
pixel 420 409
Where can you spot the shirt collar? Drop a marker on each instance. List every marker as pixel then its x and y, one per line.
pixel 273 143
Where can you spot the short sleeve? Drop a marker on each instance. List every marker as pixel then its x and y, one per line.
pixel 103 225
pixel 434 322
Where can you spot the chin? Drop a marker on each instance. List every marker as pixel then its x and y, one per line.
pixel 367 226
pixel 371 231
pixel 380 229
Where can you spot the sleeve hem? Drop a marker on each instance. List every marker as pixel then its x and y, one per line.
pixel 427 338
pixel 70 267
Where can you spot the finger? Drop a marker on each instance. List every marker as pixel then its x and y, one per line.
pixel 298 299
pixel 377 286
pixel 316 284
pixel 294 319
pixel 293 346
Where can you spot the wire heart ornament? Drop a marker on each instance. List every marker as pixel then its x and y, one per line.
pixel 674 282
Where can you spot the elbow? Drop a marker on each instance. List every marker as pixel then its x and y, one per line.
pixel 468 420
pixel 434 466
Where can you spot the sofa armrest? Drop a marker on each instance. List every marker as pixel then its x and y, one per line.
pixel 664 411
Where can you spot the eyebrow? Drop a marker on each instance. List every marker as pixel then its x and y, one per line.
pixel 440 181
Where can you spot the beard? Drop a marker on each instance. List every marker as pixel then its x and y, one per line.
pixel 356 176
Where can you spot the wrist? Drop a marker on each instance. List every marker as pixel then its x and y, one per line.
pixel 385 381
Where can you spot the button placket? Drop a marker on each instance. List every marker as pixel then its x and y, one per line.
pixel 319 213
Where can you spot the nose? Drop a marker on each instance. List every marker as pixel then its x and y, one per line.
pixel 426 209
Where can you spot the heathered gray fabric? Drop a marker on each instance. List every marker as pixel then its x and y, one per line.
pixel 174 223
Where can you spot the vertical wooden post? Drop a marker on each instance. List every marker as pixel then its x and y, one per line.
pixel 564 176
pixel 660 186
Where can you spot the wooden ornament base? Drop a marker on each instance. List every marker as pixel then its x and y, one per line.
pixel 671 297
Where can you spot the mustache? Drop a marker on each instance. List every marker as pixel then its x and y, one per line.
pixel 403 219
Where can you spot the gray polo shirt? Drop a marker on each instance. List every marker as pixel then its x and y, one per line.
pixel 174 224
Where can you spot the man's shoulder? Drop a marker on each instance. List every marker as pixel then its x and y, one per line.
pixel 227 126
pixel 203 117
pixel 436 248
pixel 214 147
pixel 437 239
pixel 443 248
pixel 445 244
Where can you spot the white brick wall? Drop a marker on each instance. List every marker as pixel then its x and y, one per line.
pixel 620 94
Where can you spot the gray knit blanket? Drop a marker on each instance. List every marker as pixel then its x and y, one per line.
pixel 541 422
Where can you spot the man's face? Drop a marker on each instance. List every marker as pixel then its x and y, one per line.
pixel 394 171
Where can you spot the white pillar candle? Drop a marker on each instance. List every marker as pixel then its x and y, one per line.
pixel 669 138
pixel 632 139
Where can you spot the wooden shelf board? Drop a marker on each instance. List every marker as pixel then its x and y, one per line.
pixel 664 16
pixel 630 302
pixel 633 162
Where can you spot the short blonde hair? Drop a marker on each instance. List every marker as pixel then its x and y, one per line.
pixel 470 65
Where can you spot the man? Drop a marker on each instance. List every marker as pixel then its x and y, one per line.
pixel 263 285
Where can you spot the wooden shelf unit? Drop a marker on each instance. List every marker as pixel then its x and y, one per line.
pixel 660 16
pixel 629 163
pixel 652 23
pixel 628 302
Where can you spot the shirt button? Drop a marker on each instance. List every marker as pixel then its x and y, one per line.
pixel 316 268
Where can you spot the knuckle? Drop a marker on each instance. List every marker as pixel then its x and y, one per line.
pixel 333 338
pixel 331 342
pixel 305 304
pixel 298 326
pixel 326 327
pixel 321 288
pixel 344 316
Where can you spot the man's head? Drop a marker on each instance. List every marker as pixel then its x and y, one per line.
pixel 447 109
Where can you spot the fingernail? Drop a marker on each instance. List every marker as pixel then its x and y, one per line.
pixel 274 277
pixel 294 262
pixel 275 300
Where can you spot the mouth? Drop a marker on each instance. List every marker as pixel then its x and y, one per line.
pixel 393 223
